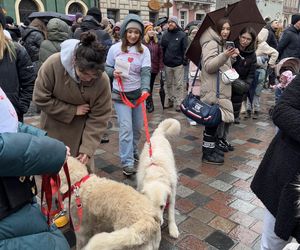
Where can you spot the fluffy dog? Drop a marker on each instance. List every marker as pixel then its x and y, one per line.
pixel 115 216
pixel 157 176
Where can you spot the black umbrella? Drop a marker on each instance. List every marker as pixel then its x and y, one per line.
pixel 192 23
pixel 161 21
pixel 162 92
pixel 241 14
pixel 47 15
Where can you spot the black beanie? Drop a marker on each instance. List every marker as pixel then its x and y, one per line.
pixel 9 20
pixel 95 13
pixel 295 18
pixel 2 20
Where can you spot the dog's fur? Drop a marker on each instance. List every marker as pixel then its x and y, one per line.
pixel 115 216
pixel 157 177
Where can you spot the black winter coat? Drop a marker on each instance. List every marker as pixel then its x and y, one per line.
pixel 274 181
pixel 246 68
pixel 32 39
pixel 174 44
pixel 17 79
pixel 90 24
pixel 271 40
pixel 289 44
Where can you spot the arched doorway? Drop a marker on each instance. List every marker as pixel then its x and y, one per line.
pixel 74 6
pixel 25 7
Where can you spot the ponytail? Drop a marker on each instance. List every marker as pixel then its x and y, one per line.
pixel 5 44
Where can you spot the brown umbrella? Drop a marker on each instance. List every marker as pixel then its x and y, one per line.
pixel 241 14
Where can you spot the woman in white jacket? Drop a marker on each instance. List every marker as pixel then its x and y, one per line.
pixel 266 56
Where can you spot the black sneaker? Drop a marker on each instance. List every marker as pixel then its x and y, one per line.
pixel 129 170
pixel 248 114
pixel 221 146
pixel 227 144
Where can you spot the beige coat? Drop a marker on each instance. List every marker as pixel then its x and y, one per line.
pixel 58 95
pixel 213 60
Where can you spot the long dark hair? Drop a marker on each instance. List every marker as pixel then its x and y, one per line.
pixel 252 33
pixel 219 25
pixel 90 54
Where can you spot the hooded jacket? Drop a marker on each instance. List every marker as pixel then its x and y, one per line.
pixel 89 23
pixel 58 31
pixel 288 45
pixel 58 92
pixel 214 61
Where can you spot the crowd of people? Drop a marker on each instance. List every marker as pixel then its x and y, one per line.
pixel 104 65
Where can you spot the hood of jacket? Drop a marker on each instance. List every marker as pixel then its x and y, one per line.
pixel 209 35
pixel 90 23
pixel 129 18
pixel 58 30
pixel 67 54
pixel 30 29
pixel 262 35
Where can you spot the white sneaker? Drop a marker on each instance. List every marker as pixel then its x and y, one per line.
pixel 193 123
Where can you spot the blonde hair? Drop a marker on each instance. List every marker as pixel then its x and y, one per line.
pixel 40 25
pixel 147 38
pixel 5 44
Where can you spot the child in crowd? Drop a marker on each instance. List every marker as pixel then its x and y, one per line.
pixel 285 79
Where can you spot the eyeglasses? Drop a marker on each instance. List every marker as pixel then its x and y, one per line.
pixel 246 38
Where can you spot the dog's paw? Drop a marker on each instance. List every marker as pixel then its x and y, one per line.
pixel 173 231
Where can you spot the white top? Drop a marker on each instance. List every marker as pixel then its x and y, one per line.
pixel 8 115
pixel 130 64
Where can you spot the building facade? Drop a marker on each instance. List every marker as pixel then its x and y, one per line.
pixel 290 7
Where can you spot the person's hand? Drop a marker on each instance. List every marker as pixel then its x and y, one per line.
pixel 117 74
pixel 229 52
pixel 82 109
pixel 83 158
pixel 67 153
pixel 236 53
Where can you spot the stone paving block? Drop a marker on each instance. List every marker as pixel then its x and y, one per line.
pixel 238 141
pixel 242 219
pixel 209 170
pixel 202 214
pixel 220 185
pixel 227 178
pixel 238 158
pixel 219 209
pixel 205 178
pixel 256 245
pixel 191 138
pixel 241 246
pixel 220 240
pixel 257 227
pixel 185 148
pixel 184 205
pixel 263 124
pixel 242 194
pixel 253 163
pixel 258 213
pixel 241 174
pixel 243 235
pixel 183 191
pixel 190 172
pixel 255 151
pixel 190 242
pixel 179 217
pixel 223 198
pixel 197 228
pixel 198 199
pixel 205 189
pixel 242 184
pixel 222 224
pixel 254 140
pixel 165 245
pixel 242 206
pixel 240 125
pixel 189 182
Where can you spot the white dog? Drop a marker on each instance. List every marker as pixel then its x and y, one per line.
pixel 157 176
pixel 115 216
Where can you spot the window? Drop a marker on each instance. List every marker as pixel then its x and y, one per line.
pixel 26 7
pixel 153 16
pixel 199 16
pixel 183 18
pixel 74 8
pixel 113 14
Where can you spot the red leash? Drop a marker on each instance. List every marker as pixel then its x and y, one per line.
pixel 140 100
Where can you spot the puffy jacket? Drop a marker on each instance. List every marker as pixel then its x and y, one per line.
pixel 17 78
pixel 23 154
pixel 156 56
pixel 288 45
pixel 58 31
pixel 174 44
pixel 90 24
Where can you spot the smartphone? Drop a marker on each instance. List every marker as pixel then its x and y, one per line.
pixel 229 45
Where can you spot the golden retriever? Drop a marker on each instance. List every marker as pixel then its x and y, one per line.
pixel 115 216
pixel 157 176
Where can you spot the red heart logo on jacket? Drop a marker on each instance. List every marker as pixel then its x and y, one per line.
pixel 130 59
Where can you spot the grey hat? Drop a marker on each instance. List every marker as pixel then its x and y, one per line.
pixel 174 19
pixel 134 25
pixel 135 20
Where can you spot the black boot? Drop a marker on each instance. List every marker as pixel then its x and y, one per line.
pixel 221 145
pixel 149 104
pixel 227 144
pixel 210 155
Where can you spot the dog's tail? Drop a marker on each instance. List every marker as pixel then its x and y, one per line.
pixel 138 234
pixel 168 127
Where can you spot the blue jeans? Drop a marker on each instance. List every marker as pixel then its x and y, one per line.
pixel 130 124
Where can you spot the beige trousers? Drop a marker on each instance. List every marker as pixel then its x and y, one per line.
pixel 174 85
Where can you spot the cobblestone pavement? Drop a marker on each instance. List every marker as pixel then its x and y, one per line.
pixel 215 208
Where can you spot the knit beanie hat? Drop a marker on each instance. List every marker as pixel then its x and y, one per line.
pixel 148 27
pixel 289 76
pixel 9 117
pixel 135 25
pixel 174 19
pixel 78 15
pixel 295 18
pixel 96 13
pixel 2 20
